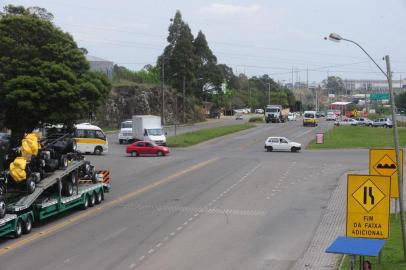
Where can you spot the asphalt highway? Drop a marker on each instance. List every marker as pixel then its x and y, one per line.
pixel 223 204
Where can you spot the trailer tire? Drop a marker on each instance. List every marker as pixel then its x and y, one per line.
pixel 85 204
pixel 67 188
pixel 19 229
pixel 2 207
pixel 27 225
pixel 99 197
pixel 92 200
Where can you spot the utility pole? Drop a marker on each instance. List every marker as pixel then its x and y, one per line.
pixel 396 139
pixel 269 93
pixel 292 80
pixel 183 100
pixel 163 92
pixel 249 90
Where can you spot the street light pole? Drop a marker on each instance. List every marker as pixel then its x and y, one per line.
pixel 396 139
pixel 388 75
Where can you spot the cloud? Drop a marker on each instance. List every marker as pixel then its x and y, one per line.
pixel 229 9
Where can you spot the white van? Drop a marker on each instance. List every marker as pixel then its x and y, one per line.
pixel 126 132
pixel 90 139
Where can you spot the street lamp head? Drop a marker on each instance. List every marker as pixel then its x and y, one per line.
pixel 335 37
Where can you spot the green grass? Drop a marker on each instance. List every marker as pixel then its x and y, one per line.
pixel 359 137
pixel 256 119
pixel 392 253
pixel 191 138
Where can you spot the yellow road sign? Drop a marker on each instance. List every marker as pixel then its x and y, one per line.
pixel 383 162
pixel 368 202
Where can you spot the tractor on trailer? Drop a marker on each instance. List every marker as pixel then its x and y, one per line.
pixel 48 199
pixel 75 184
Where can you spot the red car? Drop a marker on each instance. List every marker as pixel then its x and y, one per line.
pixel 146 148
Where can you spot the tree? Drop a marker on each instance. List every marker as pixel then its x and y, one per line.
pixel 401 101
pixel 179 59
pixel 44 76
pixel 335 85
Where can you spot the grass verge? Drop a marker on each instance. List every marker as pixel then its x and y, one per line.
pixel 191 138
pixel 392 253
pixel 358 137
pixel 256 119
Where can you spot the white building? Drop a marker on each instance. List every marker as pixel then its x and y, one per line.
pixel 372 85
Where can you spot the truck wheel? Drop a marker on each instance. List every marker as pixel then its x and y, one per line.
pixel 92 199
pixel 2 208
pixel 85 204
pixel 269 149
pixel 99 197
pixel 63 163
pixel 98 150
pixel 30 185
pixel 27 226
pixel 134 154
pixel 67 189
pixel 19 229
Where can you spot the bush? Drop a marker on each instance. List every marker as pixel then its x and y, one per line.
pixel 256 119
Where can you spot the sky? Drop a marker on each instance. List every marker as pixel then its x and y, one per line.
pixel 253 37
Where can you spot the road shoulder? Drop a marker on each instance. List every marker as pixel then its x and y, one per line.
pixel 331 226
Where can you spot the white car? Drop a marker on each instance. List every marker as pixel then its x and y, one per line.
pixel 291 116
pixel 281 144
pixel 331 116
pixel 346 122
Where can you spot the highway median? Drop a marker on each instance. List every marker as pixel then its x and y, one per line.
pixel 192 138
pixel 358 137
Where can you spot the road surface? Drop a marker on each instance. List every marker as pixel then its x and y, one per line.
pixel 223 204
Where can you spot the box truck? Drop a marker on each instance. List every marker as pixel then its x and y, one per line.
pixel 148 128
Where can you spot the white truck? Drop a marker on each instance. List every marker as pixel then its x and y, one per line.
pixel 148 128
pixel 276 114
pixel 126 132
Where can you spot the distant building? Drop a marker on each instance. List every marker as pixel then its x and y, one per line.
pixel 372 85
pixel 102 65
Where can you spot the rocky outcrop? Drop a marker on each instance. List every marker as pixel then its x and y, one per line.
pixel 127 100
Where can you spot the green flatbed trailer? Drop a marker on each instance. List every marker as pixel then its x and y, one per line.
pixel 41 205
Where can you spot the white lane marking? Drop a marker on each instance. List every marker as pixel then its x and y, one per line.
pixel 185 223
pixel 132 266
pixel 114 234
pixel 166 238
pixel 172 233
pixel 179 228
pixel 190 219
pixel 151 251
pixel 141 258
pixel 158 245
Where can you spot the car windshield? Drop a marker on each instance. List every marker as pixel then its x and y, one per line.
pixel 309 115
pixel 155 132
